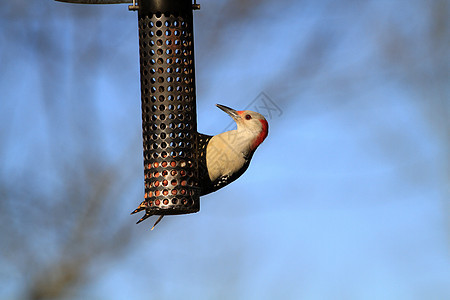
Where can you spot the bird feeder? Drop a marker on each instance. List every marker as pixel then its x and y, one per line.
pixel 168 102
pixel 169 119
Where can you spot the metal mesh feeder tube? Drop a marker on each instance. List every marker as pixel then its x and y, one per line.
pixel 169 120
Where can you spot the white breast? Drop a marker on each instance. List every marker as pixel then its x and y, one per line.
pixel 226 152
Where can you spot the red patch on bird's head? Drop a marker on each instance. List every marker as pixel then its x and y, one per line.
pixel 240 112
pixel 262 136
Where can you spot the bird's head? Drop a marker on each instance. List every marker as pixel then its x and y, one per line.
pixel 250 122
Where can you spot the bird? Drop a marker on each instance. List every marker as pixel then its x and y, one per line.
pixel 226 156
pixel 223 158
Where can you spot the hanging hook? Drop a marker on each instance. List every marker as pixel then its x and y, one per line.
pixel 133 6
pixel 195 6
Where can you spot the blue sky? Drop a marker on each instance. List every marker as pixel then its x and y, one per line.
pixel 346 199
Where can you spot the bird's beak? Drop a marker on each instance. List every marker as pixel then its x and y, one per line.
pixel 229 111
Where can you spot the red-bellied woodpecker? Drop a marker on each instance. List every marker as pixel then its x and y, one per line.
pixel 226 156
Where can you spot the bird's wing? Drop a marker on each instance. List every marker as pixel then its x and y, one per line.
pixel 204 181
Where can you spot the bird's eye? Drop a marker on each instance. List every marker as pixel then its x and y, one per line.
pixel 248 117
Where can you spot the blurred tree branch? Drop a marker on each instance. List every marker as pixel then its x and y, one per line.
pixel 62 206
pixel 419 61
pixel 63 186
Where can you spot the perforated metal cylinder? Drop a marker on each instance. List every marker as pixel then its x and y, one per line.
pixel 169 119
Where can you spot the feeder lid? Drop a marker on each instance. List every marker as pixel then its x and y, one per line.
pixel 96 1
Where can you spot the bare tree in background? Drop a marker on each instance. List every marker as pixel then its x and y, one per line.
pixel 65 193
pixel 422 62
